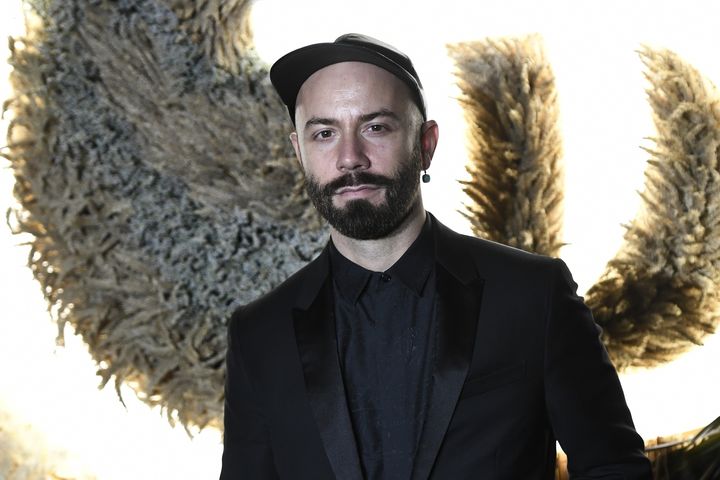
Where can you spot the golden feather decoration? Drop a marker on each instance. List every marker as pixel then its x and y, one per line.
pixel 151 171
pixel 659 296
pixel 510 102
pixel 27 454
pixel 221 27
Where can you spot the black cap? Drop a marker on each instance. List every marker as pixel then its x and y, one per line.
pixel 290 71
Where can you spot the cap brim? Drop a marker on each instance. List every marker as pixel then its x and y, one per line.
pixel 292 70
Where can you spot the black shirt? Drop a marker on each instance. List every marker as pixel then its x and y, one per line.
pixel 385 330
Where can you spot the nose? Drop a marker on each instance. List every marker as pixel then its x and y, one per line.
pixel 351 154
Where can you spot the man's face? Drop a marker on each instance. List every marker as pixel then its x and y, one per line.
pixel 358 139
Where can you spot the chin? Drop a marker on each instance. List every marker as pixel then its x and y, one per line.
pixel 357 201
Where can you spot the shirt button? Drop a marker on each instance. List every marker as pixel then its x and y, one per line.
pixel 385 277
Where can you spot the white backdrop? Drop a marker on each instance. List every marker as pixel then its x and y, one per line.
pixel 51 391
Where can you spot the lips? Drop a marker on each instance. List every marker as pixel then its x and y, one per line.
pixel 355 189
pixel 356 181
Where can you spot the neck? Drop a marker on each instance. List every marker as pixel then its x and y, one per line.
pixel 380 254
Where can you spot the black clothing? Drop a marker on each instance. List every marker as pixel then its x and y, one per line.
pixel 385 329
pixel 517 364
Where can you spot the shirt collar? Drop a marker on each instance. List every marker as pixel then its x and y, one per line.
pixel 413 268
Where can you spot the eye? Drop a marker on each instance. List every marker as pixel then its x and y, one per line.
pixel 323 134
pixel 377 128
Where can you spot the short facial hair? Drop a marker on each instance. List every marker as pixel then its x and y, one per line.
pixel 359 218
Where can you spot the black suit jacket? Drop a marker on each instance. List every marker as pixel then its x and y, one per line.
pixel 518 364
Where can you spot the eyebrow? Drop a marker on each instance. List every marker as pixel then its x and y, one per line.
pixel 383 112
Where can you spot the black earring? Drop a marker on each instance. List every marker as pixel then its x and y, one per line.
pixel 426 177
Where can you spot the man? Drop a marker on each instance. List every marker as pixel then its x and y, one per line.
pixel 405 350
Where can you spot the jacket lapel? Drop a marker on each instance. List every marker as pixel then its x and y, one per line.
pixel 458 307
pixel 459 290
pixel 317 346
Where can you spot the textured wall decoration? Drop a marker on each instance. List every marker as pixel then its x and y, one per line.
pixel 151 169
pixel 659 296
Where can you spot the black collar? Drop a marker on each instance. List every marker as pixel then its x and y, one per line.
pixel 412 268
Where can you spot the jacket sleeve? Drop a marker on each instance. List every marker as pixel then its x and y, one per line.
pixel 584 398
pixel 247 454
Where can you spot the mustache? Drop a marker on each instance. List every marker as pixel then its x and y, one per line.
pixel 357 178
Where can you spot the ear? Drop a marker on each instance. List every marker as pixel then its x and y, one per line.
pixel 429 134
pixel 296 147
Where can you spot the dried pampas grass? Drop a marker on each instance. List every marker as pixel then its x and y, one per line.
pixel 154 182
pixel 25 454
pixel 692 458
pixel 221 27
pixel 516 186
pixel 659 296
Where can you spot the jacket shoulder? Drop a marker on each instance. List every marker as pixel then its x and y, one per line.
pixel 277 304
pixel 492 258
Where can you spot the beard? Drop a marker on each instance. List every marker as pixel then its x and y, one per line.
pixel 359 218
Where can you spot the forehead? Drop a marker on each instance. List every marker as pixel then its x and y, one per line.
pixel 352 87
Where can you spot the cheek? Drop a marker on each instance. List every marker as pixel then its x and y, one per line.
pixel 387 159
pixel 315 163
pixel 321 174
